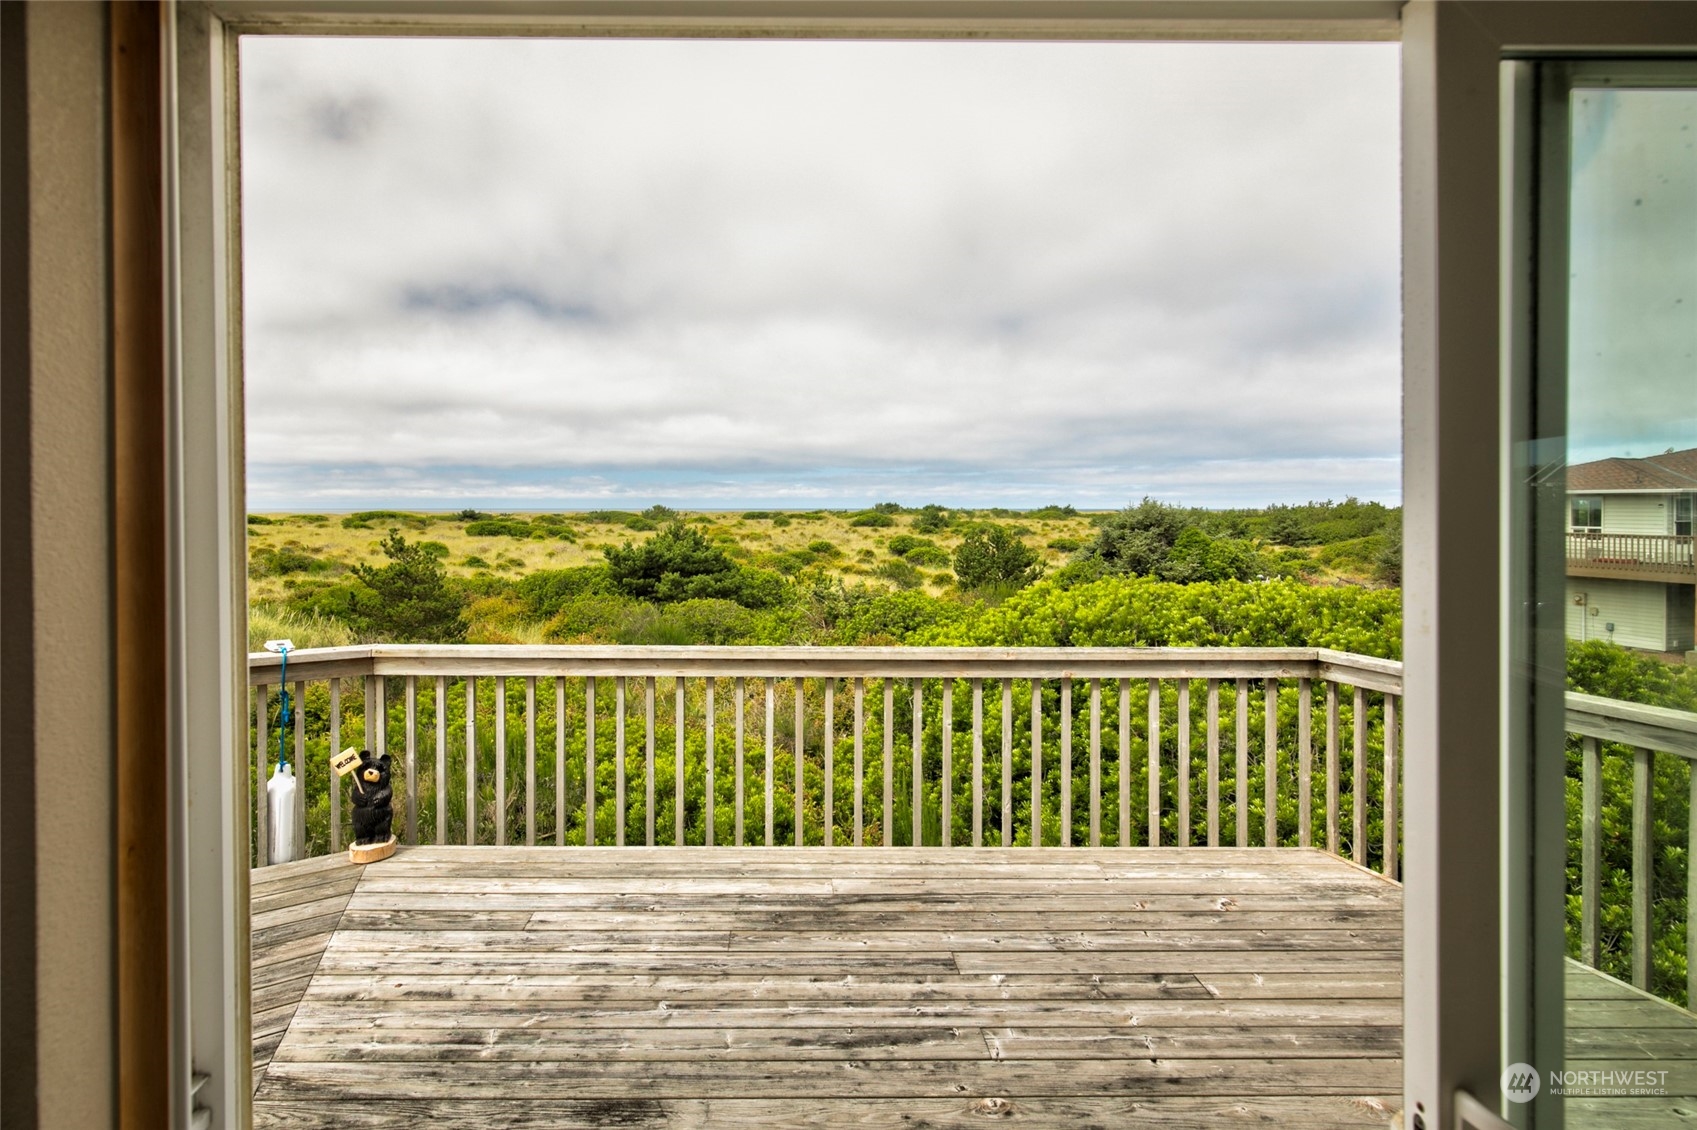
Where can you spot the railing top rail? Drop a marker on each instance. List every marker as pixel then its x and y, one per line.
pixel 1649 727
pixel 824 662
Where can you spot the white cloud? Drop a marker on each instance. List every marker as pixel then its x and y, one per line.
pixel 555 271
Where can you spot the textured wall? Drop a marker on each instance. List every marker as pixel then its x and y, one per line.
pixel 72 571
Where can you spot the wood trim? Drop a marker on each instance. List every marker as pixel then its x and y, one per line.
pixel 139 564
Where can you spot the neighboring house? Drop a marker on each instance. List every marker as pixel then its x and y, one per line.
pixel 1631 578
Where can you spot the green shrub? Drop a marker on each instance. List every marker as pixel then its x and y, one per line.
pixel 591 618
pixel 1066 545
pixel 900 573
pixel 930 556
pixel 409 599
pixel 435 548
pixel 475 562
pixel 259 520
pixel 545 592
pixel 991 555
pixel 715 622
pixel 903 544
pixel 872 518
pixel 499 527
pixel 931 519
pixel 282 562
pixel 822 548
pixel 1120 611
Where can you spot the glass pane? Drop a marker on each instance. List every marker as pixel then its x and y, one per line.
pixel 1632 426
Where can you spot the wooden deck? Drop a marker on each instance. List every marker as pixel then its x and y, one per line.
pixel 514 987
pixel 1614 1027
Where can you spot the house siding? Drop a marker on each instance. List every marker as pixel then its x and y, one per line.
pixel 1636 514
pixel 1637 609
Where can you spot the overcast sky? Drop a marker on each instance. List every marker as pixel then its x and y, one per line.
pixel 528 273
pixel 1632 343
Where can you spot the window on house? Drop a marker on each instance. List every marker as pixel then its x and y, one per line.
pixel 1682 515
pixel 1587 515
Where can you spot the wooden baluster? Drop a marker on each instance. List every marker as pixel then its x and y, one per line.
pixel 619 761
pixel 680 814
pixel 740 698
pixel 1095 763
pixel 1305 762
pixel 830 761
pixel 1213 763
pixel 978 763
pixel 767 781
pixel 1154 754
pixel 917 810
pixel 412 759
pixel 1643 864
pixel 589 760
pixel 859 766
pixel 948 689
pixel 1270 762
pixel 530 761
pixel 299 711
pixel 500 761
pixel 798 695
pixel 261 804
pixel 1036 763
pixel 1124 763
pixel 648 761
pixel 1007 762
pixel 1066 762
pixel 709 794
pixel 1393 809
pixel 470 759
pixel 1358 781
pixel 335 778
pixel 1184 763
pixel 560 761
pixel 1240 710
pixel 1332 768
pixel 889 762
pixel 441 759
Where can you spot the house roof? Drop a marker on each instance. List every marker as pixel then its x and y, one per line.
pixel 1675 470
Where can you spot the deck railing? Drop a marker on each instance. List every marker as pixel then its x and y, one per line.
pixel 898 746
pixel 1607 728
pixel 1628 554
pixel 850 745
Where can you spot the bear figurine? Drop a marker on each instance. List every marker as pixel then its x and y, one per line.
pixel 373 816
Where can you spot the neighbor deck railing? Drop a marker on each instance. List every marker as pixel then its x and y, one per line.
pixel 1630 554
pixel 937 743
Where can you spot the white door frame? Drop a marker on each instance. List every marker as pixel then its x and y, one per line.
pixel 1456 440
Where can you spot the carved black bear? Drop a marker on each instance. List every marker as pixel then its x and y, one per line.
pixel 373 817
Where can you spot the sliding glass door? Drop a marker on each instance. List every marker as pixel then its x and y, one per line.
pixel 1601 893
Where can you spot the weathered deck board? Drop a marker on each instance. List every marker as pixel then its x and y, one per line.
pixel 1612 1026
pixel 295 909
pixel 517 987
